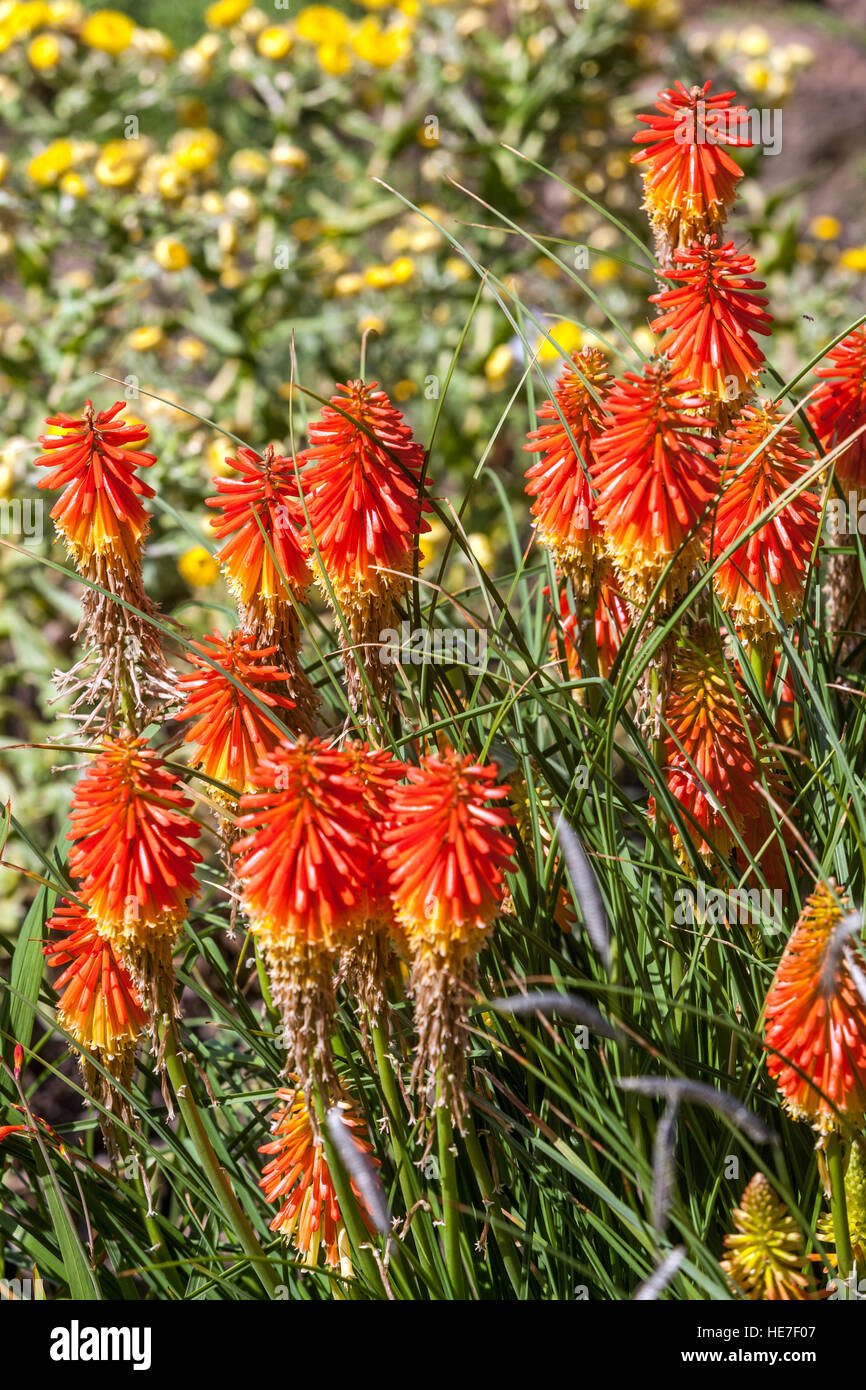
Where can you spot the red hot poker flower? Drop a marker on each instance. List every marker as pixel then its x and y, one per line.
pixel 690 181
pixel 302 864
pixel 776 557
pixel 655 476
pixel 231 732
pixel 816 1019
pixel 99 1004
pixel 707 328
pixel 559 481
pixel 100 511
pixel 839 407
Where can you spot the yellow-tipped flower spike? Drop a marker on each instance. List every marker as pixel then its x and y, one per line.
pixel 766 1258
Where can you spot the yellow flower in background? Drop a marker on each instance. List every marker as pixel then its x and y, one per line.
pixel 379 277
pixel 73 185
pixel 498 364
pixel 170 254
pixel 115 169
pixel 402 269
pixel 195 149
pixel 198 567
pixel 288 156
pixel 274 43
pixel 757 76
pixel 225 13
pixel 68 14
pixel 457 269
pixel 430 542
pixel 404 390
pixel 191 349
pixel 46 167
pixel 825 228
pixel 22 19
pixel 350 283
pixel 108 30
pixel 334 58
pixel 854 259
pixel 371 323
pixel 43 53
pixel 602 271
pixel 481 548
pixel 143 339
pixel 322 24
pixel 567 337
pixel 249 166
pixel 381 47
pixel 4 166
pixel 754 41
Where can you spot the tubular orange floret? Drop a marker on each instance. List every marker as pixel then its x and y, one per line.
pixel 756 470
pixel 447 849
pixel 130 827
pixel 706 329
pixel 302 863
pixel 655 475
pixel 298 1177
pixel 816 1020
pixel 230 731
pixel 564 506
pixel 361 484
pixel 690 181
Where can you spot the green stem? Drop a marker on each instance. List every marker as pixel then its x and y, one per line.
pixel 448 1179
pixel 839 1206
pixel 493 1206
pixel 217 1176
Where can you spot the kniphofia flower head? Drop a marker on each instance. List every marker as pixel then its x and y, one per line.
pixel 263 551
pixel 611 623
pixel 559 481
pixel 816 1019
pixel 839 407
pixel 448 847
pixel 298 1177
pixel 655 475
pixel 708 320
pixel 99 512
pixel 766 1257
pixel 362 486
pixel 718 766
pixel 689 180
pixel 231 732
pixel 756 470
pixel 131 831
pixel 302 863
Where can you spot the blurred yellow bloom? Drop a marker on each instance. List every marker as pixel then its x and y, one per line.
pixel 381 47
pixel 142 339
pixel 225 13
pixel 73 185
pixel 457 269
pixel 108 30
pixel 402 269
pixel 567 337
pixel 430 542
pixel 174 182
pixel 4 166
pixel 22 19
pixel 757 76
pixel 754 41
pixel 334 58
pixel 46 167
pixel 198 567
pixel 825 228
pixel 191 349
pixel 350 283
pixel 195 149
pixel 645 339
pixel 322 24
pixel 481 548
pixel 170 254
pixel 404 389
pixel 371 323
pixel 191 111
pixel 602 271
pixel 115 170
pixel 216 455
pixel 274 43
pixel 43 52
pixel 241 203
pixel 288 156
pixel 249 166
pixel 65 13
pixel 498 364
pixel 379 277
pixel 305 228
pixel 854 258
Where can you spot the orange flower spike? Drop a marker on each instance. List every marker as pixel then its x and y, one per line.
pixel 299 1178
pixel 231 732
pixel 559 481
pixel 690 181
pixel 130 825
pixel 818 1024
pixel 756 471
pixel 839 407
pixel 706 329
pixel 655 475
pixel 265 491
pixel 99 512
pixel 99 1004
pixel 362 491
